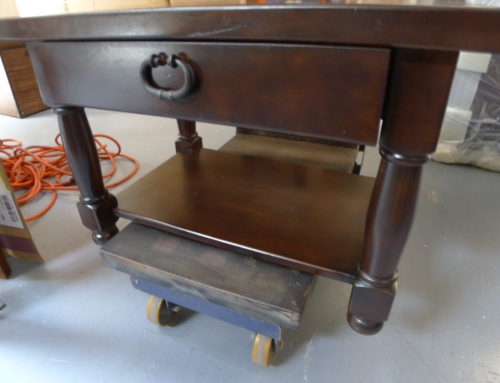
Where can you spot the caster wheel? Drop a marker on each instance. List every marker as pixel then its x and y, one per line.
pixel 264 349
pixel 160 312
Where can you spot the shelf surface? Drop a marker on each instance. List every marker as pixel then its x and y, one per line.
pixel 304 217
pixel 340 158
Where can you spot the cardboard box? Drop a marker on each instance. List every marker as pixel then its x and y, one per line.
pixel 191 3
pixel 29 8
pixel 8 8
pixel 109 5
pixel 15 238
pixel 32 8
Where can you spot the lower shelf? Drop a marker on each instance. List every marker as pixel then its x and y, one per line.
pixel 303 217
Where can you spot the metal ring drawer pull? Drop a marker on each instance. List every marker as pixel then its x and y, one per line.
pixel 172 61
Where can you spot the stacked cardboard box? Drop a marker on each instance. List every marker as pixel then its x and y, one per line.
pixel 15 238
pixel 29 8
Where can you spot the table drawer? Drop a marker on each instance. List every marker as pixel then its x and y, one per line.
pixel 321 91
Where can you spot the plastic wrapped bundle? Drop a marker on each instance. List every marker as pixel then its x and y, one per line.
pixel 471 129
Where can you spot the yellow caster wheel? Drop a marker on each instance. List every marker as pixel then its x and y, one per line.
pixel 160 312
pixel 264 349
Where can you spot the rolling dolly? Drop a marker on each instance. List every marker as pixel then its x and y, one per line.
pixel 260 296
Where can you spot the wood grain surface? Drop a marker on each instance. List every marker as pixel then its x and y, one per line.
pixel 19 93
pixel 304 217
pixel 252 85
pixel 450 25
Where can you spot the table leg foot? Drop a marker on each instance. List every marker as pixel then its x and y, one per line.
pixel 370 303
pixel 98 215
pixel 363 326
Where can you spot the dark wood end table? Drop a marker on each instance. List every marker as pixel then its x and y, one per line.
pixel 321 71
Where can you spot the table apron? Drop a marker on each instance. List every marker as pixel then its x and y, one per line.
pixel 309 90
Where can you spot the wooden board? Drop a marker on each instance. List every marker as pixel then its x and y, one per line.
pixel 19 94
pixel 7 101
pixel 302 217
pixel 262 290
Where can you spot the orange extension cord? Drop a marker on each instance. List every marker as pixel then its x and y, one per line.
pixel 39 168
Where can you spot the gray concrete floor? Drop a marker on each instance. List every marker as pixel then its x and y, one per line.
pixel 70 319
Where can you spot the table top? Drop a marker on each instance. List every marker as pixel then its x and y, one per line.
pixel 443 25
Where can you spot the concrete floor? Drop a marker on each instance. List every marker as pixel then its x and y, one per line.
pixel 70 319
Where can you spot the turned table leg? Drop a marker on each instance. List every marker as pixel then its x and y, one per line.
pixel 188 138
pixel 96 205
pixel 414 107
pixel 387 225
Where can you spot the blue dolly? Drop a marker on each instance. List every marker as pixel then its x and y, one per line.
pixel 177 272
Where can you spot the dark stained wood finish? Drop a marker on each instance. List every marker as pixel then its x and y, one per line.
pixel 263 86
pixel 325 141
pixel 452 27
pixel 414 110
pixel 393 202
pixel 96 204
pixel 412 123
pixel 271 209
pixel 188 138
pixel 271 68
pixel 338 158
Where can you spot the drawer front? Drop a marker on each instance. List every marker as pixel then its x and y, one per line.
pixel 319 91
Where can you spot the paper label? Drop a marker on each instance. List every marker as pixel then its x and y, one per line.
pixel 8 211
